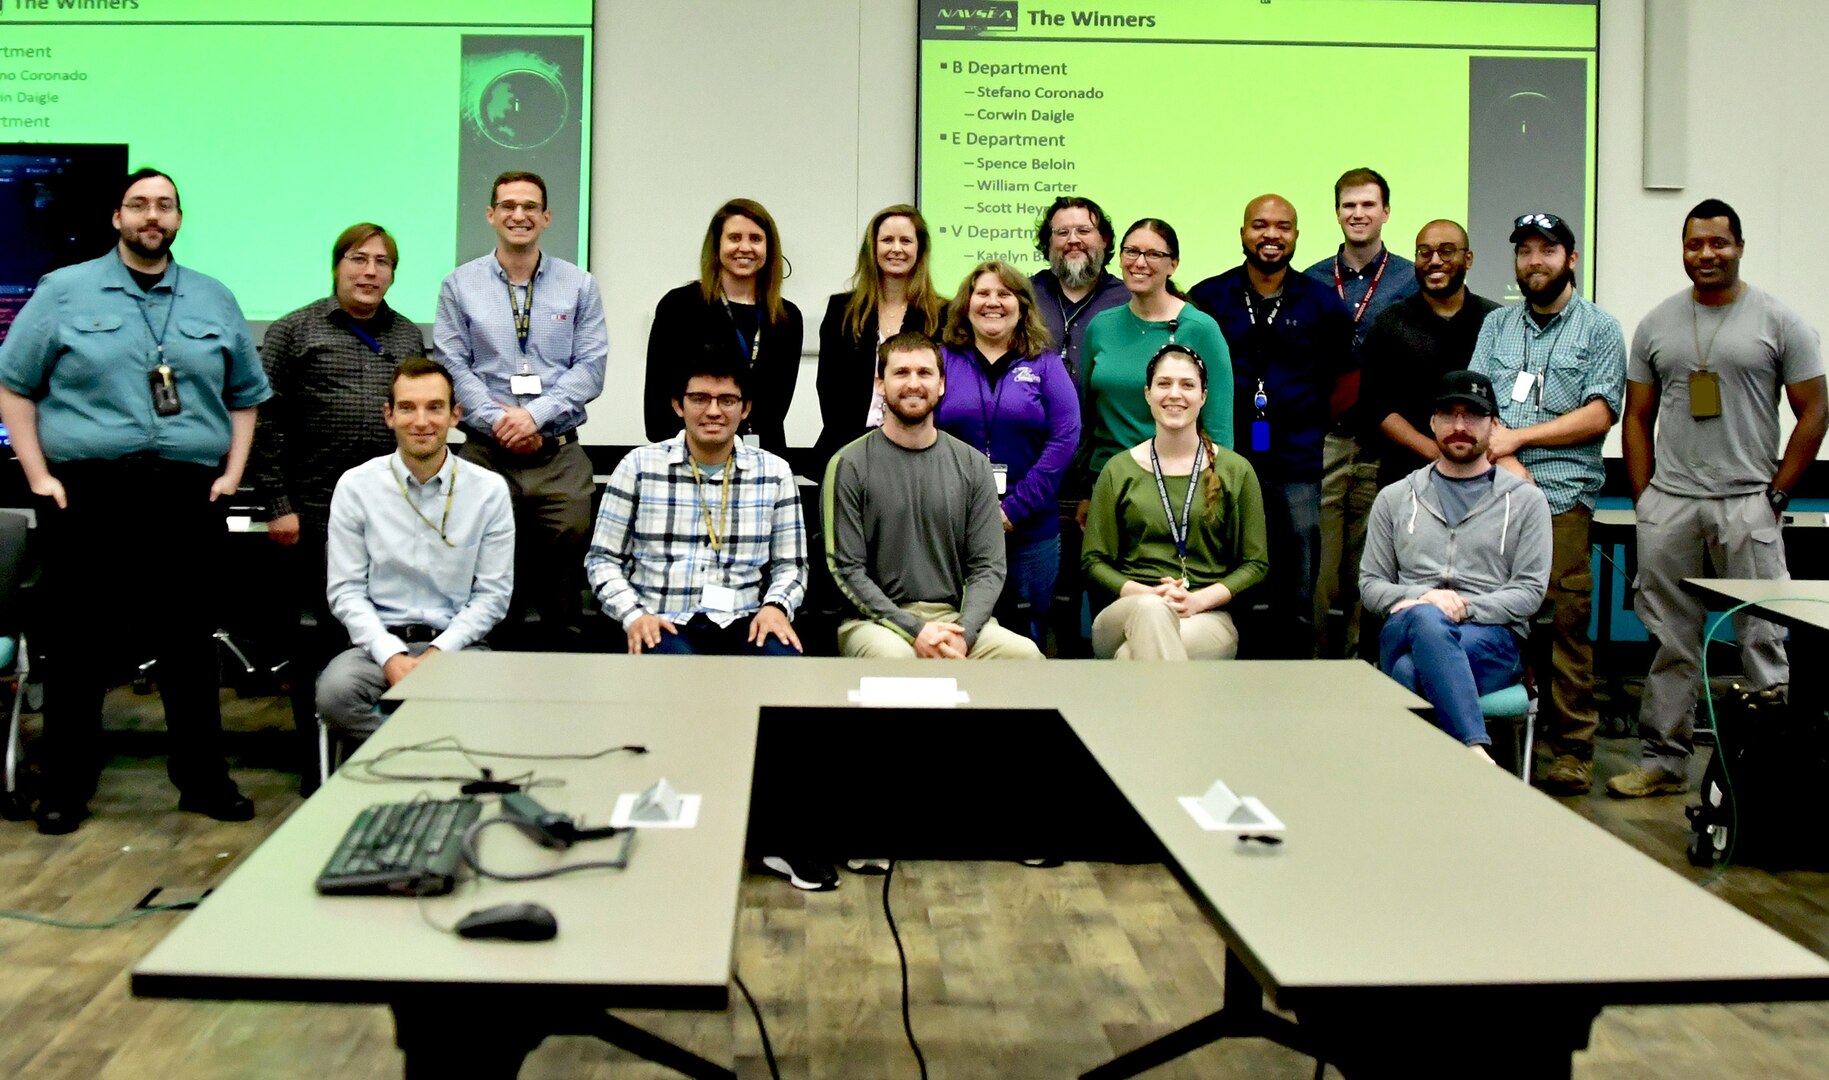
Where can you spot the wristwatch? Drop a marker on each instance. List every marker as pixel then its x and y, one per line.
pixel 1778 499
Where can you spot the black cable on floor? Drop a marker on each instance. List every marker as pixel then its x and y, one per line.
pixel 768 1051
pixel 902 956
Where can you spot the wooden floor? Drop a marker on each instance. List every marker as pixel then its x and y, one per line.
pixel 1015 972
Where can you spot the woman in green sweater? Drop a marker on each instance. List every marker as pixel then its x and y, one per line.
pixel 1175 530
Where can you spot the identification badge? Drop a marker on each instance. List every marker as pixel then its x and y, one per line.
pixel 164 383
pixel 754 442
pixel 1001 474
pixel 1704 395
pixel 524 385
pixel 1521 390
pixel 1260 436
pixel 718 598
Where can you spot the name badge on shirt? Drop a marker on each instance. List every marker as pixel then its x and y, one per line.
pixel 1521 390
pixel 524 385
pixel 752 441
pixel 718 598
pixel 1001 474
pixel 1704 395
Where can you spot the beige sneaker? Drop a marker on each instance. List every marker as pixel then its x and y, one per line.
pixel 1641 782
pixel 1569 775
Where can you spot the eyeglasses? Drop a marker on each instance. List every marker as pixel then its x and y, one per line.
pixel 528 207
pixel 1447 251
pixel 141 206
pixel 361 260
pixel 703 401
pixel 1081 231
pixel 1154 258
pixel 1542 221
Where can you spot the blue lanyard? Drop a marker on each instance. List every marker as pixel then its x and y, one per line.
pixel 373 345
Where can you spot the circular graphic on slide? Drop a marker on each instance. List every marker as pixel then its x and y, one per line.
pixel 523 109
pixel 515 99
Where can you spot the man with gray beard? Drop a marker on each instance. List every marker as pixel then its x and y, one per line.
pixel 1076 238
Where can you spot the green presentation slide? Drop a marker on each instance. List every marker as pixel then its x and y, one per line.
pixel 284 122
pixel 1185 110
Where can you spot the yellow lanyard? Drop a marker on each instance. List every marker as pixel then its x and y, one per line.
pixel 721 528
pixel 450 493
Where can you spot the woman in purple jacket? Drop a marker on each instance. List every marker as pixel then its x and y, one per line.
pixel 1009 395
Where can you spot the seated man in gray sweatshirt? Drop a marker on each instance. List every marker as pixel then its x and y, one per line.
pixel 1457 556
pixel 914 534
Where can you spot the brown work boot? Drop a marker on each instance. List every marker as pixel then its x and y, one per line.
pixel 1642 781
pixel 1569 775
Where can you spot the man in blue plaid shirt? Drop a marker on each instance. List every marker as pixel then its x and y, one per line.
pixel 700 547
pixel 1558 364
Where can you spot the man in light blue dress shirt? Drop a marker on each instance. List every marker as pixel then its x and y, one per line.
pixel 522 334
pixel 421 551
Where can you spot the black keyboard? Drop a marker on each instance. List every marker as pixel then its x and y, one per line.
pixel 401 849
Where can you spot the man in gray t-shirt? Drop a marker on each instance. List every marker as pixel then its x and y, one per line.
pixel 1706 367
pixel 914 533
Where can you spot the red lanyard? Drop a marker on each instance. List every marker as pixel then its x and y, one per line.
pixel 1384 258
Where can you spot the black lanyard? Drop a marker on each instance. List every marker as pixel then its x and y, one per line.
pixel 523 317
pixel 1251 309
pixel 989 415
pixel 1179 531
pixel 158 339
pixel 1365 301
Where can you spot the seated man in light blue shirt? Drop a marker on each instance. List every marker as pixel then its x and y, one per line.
pixel 421 551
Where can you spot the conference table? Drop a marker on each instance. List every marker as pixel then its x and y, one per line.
pixel 1425 913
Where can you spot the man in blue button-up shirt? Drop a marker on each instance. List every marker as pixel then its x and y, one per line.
pixel 421 551
pixel 128 384
pixel 1559 366
pixel 522 334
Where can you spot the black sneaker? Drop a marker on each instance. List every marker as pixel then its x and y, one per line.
pixel 227 805
pixel 803 873
pixel 56 819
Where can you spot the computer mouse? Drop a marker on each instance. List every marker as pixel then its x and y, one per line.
pixel 510 922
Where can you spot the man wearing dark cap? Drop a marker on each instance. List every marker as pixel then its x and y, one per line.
pixel 1558 364
pixel 1457 556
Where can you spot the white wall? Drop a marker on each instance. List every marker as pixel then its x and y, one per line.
pixel 809 107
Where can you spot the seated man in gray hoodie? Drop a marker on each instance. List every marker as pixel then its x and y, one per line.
pixel 1457 556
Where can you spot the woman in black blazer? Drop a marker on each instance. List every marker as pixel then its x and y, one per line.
pixel 736 305
pixel 890 292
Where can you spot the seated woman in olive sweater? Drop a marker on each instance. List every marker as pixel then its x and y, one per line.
pixel 1175 531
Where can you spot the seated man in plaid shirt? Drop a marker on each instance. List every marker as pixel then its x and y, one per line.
pixel 699 545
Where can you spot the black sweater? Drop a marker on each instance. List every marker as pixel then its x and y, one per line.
pixel 683 322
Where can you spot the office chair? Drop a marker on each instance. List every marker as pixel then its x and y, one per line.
pixel 15 663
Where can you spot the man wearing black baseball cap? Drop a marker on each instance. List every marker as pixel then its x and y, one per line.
pixel 1457 556
pixel 1558 364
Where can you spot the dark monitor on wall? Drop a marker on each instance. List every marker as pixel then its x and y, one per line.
pixel 55 203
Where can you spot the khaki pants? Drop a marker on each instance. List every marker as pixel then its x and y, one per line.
pixel 1741 537
pixel 1348 487
pixel 859 637
pixel 1571 719
pixel 1142 627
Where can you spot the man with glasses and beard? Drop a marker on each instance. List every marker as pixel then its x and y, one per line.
pixel 1291 341
pixel 1414 343
pixel 129 384
pixel 1457 555
pixel 1559 366
pixel 915 533
pixel 1076 238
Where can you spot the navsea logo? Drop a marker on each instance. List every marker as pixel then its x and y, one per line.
pixel 984 17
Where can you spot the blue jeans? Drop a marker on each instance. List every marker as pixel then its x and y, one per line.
pixel 1033 567
pixel 1451 664
pixel 702 637
pixel 1292 525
